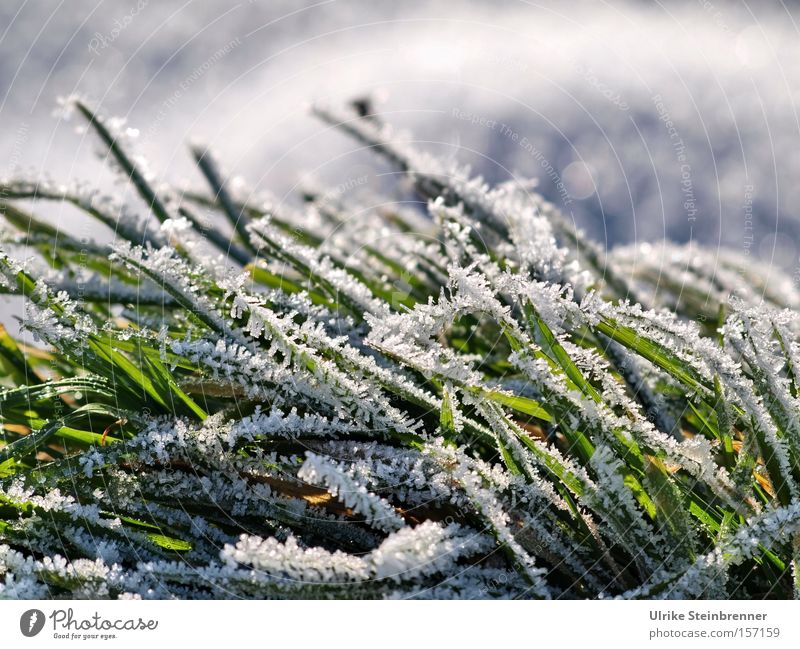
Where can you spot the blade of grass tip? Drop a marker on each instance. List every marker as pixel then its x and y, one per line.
pixel 35 441
pixel 116 223
pixel 25 222
pixel 431 186
pixel 30 225
pixel 25 395
pixel 372 138
pixel 75 436
pixel 51 243
pixel 365 108
pixel 146 192
pixel 236 215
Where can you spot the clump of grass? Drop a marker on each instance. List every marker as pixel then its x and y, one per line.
pixel 470 400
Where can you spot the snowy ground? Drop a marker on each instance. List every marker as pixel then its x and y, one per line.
pixel 644 122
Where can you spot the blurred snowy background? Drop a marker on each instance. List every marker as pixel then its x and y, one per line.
pixel 644 121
